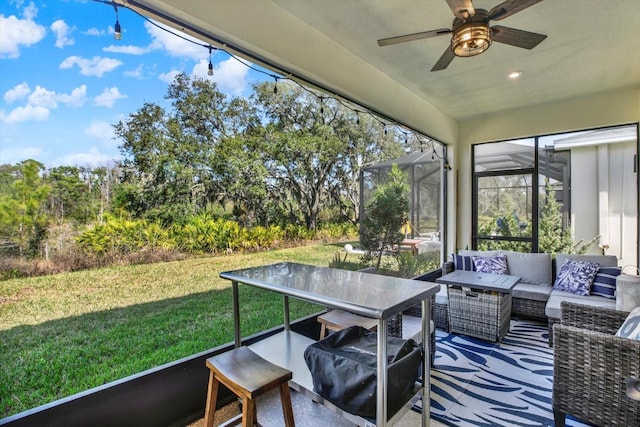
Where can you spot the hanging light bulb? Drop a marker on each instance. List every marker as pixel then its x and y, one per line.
pixel 275 85
pixel 117 31
pixel 210 71
pixel 357 117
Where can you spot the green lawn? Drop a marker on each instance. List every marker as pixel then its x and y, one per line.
pixel 66 333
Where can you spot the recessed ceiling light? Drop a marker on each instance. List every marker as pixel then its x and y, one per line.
pixel 515 74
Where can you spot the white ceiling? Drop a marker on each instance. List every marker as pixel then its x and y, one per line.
pixel 591 46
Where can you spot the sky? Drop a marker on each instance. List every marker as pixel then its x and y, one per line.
pixel 65 81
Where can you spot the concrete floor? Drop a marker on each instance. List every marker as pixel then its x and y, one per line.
pixel 305 412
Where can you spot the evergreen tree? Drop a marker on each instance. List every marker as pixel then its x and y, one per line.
pixel 385 213
pixel 552 237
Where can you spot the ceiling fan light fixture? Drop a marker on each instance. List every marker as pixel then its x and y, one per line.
pixel 471 39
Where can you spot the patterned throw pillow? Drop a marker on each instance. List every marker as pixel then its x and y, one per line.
pixel 495 265
pixel 462 262
pixel 631 326
pixel 576 276
pixel 604 284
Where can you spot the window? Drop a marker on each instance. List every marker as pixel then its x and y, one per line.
pixel 573 192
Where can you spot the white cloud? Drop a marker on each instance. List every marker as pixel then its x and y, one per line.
pixel 99 130
pixel 108 97
pixel 94 32
pixel 136 72
pixel 127 49
pixel 77 98
pixel 91 158
pixel 169 76
pixel 96 66
pixel 42 97
pixel 30 11
pixel 15 155
pixel 26 113
pixel 40 101
pixel 17 93
pixel 62 30
pixel 176 46
pixel 19 32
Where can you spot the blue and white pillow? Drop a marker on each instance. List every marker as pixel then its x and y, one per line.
pixel 631 326
pixel 576 276
pixel 494 264
pixel 604 284
pixel 463 262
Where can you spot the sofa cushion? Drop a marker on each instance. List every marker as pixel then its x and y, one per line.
pixel 631 326
pixel 463 262
pixel 601 260
pixel 531 267
pixel 466 252
pixel 531 291
pixel 552 309
pixel 493 265
pixel 604 284
pixel 576 276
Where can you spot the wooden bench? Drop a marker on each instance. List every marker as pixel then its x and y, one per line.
pixel 248 376
pixel 336 320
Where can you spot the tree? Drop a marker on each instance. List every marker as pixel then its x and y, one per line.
pixel 314 149
pixel 552 237
pixel 385 213
pixel 169 153
pixel 23 224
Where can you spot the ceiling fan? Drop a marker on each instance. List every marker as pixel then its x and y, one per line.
pixel 471 33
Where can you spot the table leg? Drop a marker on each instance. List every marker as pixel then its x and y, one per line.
pixel 236 315
pixel 285 304
pixel 426 373
pixel 381 404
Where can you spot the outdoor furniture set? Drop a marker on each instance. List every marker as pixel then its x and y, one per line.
pixel 538 294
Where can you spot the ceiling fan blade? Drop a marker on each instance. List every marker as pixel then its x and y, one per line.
pixel 510 7
pixel 517 38
pixel 462 9
pixel 444 60
pixel 414 36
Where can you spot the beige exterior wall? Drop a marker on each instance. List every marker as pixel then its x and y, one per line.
pixel 600 110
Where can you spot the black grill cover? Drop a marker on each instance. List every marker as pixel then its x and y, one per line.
pixel 344 364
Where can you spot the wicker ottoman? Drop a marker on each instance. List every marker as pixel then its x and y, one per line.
pixel 479 314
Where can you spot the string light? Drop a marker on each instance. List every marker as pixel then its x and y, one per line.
pixel 117 31
pixel 210 71
pixel 385 124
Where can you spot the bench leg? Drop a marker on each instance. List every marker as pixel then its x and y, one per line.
pixel 248 412
pixel 287 410
pixel 212 397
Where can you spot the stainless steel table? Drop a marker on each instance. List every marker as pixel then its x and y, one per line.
pixel 371 295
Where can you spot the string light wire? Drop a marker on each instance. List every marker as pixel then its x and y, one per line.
pixel 400 129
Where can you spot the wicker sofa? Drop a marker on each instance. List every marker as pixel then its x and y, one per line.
pixel 591 365
pixel 534 296
pixel 530 295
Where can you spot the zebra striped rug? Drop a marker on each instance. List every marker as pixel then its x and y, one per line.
pixel 477 383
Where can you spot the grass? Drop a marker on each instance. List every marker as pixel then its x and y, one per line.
pixel 66 333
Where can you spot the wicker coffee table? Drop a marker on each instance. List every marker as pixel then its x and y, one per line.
pixel 479 303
